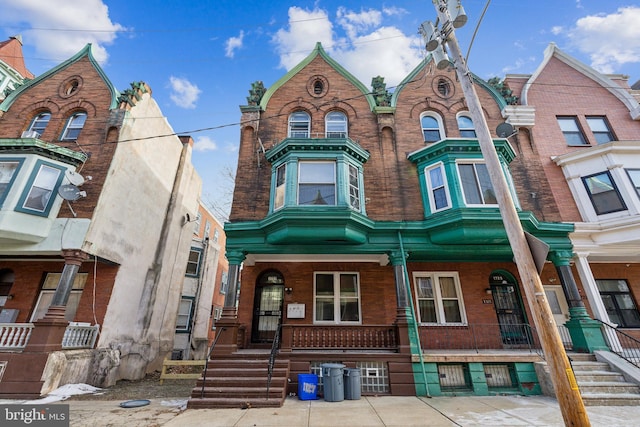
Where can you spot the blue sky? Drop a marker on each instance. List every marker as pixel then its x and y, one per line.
pixel 200 57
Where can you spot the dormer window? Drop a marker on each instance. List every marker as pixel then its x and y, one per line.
pixel 432 129
pixel 40 123
pixel 336 125
pixel 74 126
pixel 299 125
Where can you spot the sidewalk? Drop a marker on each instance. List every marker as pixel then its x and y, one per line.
pixel 365 412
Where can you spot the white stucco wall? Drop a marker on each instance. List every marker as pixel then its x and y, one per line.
pixel 127 227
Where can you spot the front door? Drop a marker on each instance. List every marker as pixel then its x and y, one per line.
pixel 509 310
pixel 267 309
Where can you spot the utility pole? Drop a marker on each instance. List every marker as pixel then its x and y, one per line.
pixel 566 388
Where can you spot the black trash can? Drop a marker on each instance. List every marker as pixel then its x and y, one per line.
pixel 332 381
pixel 352 384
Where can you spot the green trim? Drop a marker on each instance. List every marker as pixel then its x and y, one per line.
pixel 318 51
pixel 86 51
pixel 27 188
pixel 35 146
pixel 7 189
pixel 460 149
pixel 323 147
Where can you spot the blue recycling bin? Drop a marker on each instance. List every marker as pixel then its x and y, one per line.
pixel 307 386
pixel 332 381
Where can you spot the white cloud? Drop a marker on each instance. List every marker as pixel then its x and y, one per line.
pixel 232 44
pixel 204 143
pixel 360 43
pixel 558 29
pixel 57 27
pixel 610 40
pixel 183 93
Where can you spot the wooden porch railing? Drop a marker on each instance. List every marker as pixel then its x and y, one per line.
pixel 356 337
pixel 15 336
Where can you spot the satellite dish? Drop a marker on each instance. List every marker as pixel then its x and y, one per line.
pixel 71 192
pixel 505 130
pixel 74 178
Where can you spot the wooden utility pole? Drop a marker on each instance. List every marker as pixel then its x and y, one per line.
pixel 566 387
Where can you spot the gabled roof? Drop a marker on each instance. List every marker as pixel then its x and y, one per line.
pixel 11 54
pixel 317 51
pixel 553 51
pixel 85 52
pixel 412 76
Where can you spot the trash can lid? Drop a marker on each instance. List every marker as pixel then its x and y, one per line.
pixel 332 365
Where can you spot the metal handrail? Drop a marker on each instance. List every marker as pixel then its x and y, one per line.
pixel 626 346
pixel 272 357
pixel 204 375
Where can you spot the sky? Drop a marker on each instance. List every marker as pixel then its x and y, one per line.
pixel 200 57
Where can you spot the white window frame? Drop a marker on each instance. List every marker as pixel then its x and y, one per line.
pixel 281 187
pixel 334 181
pixel 438 119
pixel 40 122
pixel 46 185
pixel 437 296
pixel 634 177
pixel 432 188
pixel 49 289
pixel 462 129
pixel 353 182
pixel 477 183
pixel 337 297
pixel 191 262
pixel 296 129
pixel 74 126
pixel 336 125
pixel 185 310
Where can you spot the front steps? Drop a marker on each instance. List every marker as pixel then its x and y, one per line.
pixel 600 385
pixel 239 380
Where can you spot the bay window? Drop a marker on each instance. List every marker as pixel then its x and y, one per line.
pixel 603 193
pixel 40 190
pixel 476 184
pixel 437 184
pixel 316 183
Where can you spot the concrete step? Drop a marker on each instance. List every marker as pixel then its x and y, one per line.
pixel 582 366
pixel 229 402
pixel 606 399
pixel 596 376
pixel 602 387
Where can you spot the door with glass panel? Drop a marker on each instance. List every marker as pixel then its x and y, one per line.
pixel 267 307
pixel 509 309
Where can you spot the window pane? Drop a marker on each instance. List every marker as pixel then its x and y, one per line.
pixel 469 185
pixel 315 194
pixel 40 122
pixel 354 187
pixel 317 183
pixel 440 198
pixel 7 171
pixel 451 311
pixel 554 304
pixel 604 193
pixel 74 126
pixel 465 125
pixel 435 176
pixel 634 176
pixel 427 311
pixel 612 285
pixel 280 186
pixel 447 287
pixel 349 310
pixel 317 172
pixel 348 285
pixel 336 125
pixel 430 129
pixel 40 192
pixel 488 195
pixel 299 125
pixel 600 129
pixel 324 284
pixel 572 133
pixel 425 287
pixel 324 309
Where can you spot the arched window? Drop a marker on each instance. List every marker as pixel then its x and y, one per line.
pixel 336 125
pixel 466 127
pixel 432 129
pixel 299 125
pixel 74 126
pixel 40 122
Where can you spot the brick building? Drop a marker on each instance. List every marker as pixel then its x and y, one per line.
pixel 364 230
pixel 91 230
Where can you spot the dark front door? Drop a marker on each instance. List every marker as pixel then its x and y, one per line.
pixel 267 312
pixel 508 306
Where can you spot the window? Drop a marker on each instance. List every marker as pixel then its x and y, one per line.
pixel 571 131
pixel 40 122
pixel 439 298
pixel 317 183
pixel 8 173
pixel 634 176
pixel 193 263
pixel 437 187
pixel 465 124
pixel 196 223
pixel 207 229
pixel 183 322
pixel 281 172
pixel 44 180
pixel 619 302
pixel 337 298
pixel 74 126
pixel 336 125
pixel 354 187
pixel 603 193
pixel 431 129
pixel 600 129
pixel 216 235
pixel 224 282
pixel 476 184
pixel 299 125
pixel 48 290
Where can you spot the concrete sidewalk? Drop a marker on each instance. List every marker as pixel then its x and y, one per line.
pixel 365 412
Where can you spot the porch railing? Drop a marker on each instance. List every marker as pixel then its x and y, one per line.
pixel 622 344
pixel 357 337
pixel 479 336
pixel 15 336
pixel 80 336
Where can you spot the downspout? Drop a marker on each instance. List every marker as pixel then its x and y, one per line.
pixel 196 302
pixel 414 323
